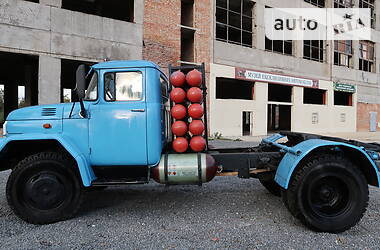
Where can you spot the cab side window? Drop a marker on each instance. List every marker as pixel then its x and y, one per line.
pixel 123 86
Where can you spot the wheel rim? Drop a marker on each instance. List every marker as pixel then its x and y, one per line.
pixel 329 196
pixel 44 191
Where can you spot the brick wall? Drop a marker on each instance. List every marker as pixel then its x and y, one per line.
pixel 363 115
pixel 162 33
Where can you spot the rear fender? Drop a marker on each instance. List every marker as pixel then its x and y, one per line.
pixel 84 167
pixel 290 161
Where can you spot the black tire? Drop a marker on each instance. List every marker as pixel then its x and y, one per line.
pixel 95 188
pixel 45 188
pixel 271 186
pixel 328 193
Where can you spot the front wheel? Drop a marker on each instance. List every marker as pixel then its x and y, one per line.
pixel 44 188
pixel 327 194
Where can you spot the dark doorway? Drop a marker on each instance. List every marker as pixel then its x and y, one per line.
pixel 247 123
pixel 279 117
pixel 18 82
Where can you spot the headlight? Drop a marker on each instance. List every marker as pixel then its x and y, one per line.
pixel 5 129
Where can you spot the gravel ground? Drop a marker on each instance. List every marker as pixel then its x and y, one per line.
pixel 226 213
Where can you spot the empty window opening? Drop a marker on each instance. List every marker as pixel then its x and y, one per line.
pixel 343 3
pixel 314 96
pixel 279 117
pixel 234 89
pixel 370 4
pixel 343 53
pixel 234 21
pixel 33 1
pixel 279 93
pixel 281 46
pixel 367 56
pixel 314 50
pixel 247 123
pixel 18 82
pixel 318 3
pixel 187 45
pixel 116 9
pixel 342 98
pixel 187 13
pixel 68 81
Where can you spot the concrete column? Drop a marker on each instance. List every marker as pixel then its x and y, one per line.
pixel 54 3
pixel 298 48
pixel 355 57
pixel 49 80
pixel 139 11
pixel 377 12
pixel 259 35
pixel 10 97
pixel 28 82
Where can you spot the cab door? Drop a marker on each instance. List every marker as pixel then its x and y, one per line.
pixel 117 123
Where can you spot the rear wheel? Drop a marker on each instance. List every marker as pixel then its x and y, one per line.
pixel 44 188
pixel 327 194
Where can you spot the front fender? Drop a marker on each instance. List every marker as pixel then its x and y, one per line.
pixel 84 167
pixel 290 161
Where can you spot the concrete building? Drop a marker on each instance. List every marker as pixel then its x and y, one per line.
pixel 344 97
pixel 43 41
pixel 255 85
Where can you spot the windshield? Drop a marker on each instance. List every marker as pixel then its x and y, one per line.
pixel 92 90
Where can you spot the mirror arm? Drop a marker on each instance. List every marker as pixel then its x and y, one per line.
pixel 82 112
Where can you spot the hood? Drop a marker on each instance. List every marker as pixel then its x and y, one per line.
pixel 43 112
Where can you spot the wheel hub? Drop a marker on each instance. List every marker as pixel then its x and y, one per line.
pixel 44 191
pixel 329 196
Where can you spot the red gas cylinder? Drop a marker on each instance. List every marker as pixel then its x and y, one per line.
pixel 194 94
pixel 180 145
pixel 196 127
pixel 178 95
pixel 196 111
pixel 177 79
pixel 197 143
pixel 179 128
pixel 178 112
pixel 194 78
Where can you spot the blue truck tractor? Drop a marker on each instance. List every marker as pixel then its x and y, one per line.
pixel 118 133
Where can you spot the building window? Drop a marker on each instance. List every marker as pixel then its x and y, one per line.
pixel 343 4
pixel 33 1
pixel 314 96
pixel 234 89
pixel 281 46
pixel 314 50
pixel 367 56
pixel 234 21
pixel 342 98
pixel 318 3
pixel 370 4
pixel 116 9
pixel 343 53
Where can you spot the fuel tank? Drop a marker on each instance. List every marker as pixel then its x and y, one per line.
pixel 179 169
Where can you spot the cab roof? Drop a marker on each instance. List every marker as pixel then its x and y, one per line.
pixel 125 64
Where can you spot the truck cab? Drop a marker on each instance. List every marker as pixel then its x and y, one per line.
pixel 126 121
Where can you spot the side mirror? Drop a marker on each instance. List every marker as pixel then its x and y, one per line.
pixel 81 81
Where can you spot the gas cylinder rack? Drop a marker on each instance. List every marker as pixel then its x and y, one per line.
pixel 185 69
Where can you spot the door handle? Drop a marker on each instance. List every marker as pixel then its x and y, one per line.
pixel 138 110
